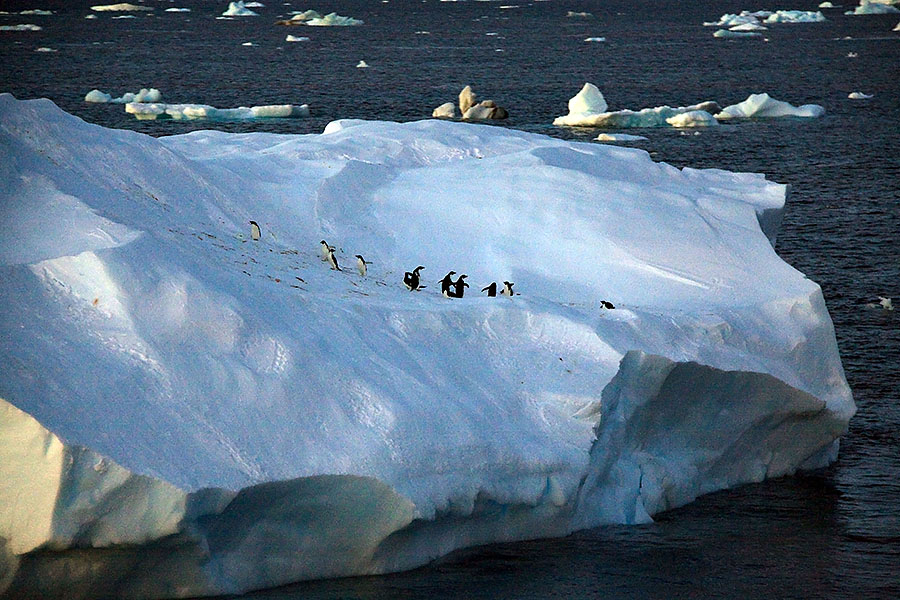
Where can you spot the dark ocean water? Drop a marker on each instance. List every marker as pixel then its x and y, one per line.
pixel 829 534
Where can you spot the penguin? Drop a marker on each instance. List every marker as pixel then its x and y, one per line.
pixel 332 259
pixel 507 289
pixel 411 280
pixel 607 304
pixel 361 265
pixel 459 287
pixel 254 231
pixel 445 284
pixel 325 249
pixel 491 289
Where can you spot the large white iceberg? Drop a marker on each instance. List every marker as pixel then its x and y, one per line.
pixel 588 108
pixel 758 106
pixel 152 111
pixel 186 411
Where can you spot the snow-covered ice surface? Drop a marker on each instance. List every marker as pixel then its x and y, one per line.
pixel 200 413
pixel 758 106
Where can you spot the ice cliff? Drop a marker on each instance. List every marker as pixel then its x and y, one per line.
pixel 185 411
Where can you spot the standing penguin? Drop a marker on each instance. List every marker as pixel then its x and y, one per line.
pixel 491 289
pixel 507 289
pixel 459 287
pixel 445 284
pixel 361 265
pixel 325 249
pixel 254 231
pixel 332 259
pixel 411 280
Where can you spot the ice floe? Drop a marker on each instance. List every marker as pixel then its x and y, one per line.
pixel 362 65
pixel 693 118
pixel 333 20
pixel 21 27
pixel 595 39
pixel 873 7
pixel 121 7
pixel 619 137
pixel 178 10
pixel 45 49
pixel 295 38
pixel 763 106
pixel 238 9
pixel 859 96
pixel 184 112
pixel 796 16
pixel 734 33
pixel 144 95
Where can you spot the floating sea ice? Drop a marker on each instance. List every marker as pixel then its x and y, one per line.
pixel 796 16
pixel 24 27
pixel 145 95
pixel 572 13
pixel 870 7
pixel 362 65
pixel 693 118
pixel 859 96
pixel 852 55
pixel 763 106
pixel 239 9
pixel 292 38
pixel 749 27
pixel 730 20
pixel 584 106
pixel 731 33
pixel 90 17
pixel 619 137
pixel 37 11
pixel 595 39
pixel 828 5
pixel 177 10
pixel 248 44
pixel 122 7
pixel 334 19
pixel 45 49
pixel 125 17
pixel 180 112
pixel 447 110
pixel 254 5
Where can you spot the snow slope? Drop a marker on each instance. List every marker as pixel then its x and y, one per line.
pixel 205 414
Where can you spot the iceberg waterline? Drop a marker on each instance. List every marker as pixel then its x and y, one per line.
pixel 285 421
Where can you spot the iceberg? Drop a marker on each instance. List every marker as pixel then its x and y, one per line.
pixel 731 20
pixel 758 106
pixel 238 9
pixel 873 7
pixel 796 16
pixel 588 108
pixel 736 33
pixel 178 10
pixel 187 411
pixel 144 111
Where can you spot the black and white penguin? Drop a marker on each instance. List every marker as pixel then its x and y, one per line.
pixel 332 259
pixel 361 265
pixel 459 287
pixel 411 280
pixel 446 282
pixel 254 231
pixel 325 249
pixel 607 304
pixel 507 289
pixel 491 289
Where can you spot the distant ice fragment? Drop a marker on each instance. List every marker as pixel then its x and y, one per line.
pixel 619 137
pixel 293 38
pixel 45 49
pixel 584 106
pixel 827 5
pixel 177 10
pixel 734 34
pixel 873 7
pixel 144 95
pixel 796 16
pixel 595 39
pixel 333 20
pixel 181 112
pixel 763 106
pixel 122 7
pixel 693 118
pixel 572 13
pixel 239 9
pixel 23 27
pixel 859 96
pixel 362 65
pixel 749 27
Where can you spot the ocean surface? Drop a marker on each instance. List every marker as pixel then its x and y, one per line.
pixel 828 534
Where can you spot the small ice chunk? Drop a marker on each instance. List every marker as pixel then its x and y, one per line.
pixel 181 112
pixel 582 15
pixel 873 7
pixel 763 106
pixel 97 96
pixel 595 39
pixel 239 9
pixel 37 11
pixel 859 96
pixel 748 27
pixel 693 118
pixel 121 7
pixel 619 137
pixel 90 17
pixel 293 38
pixel 333 20
pixel 447 110
pixel 583 106
pixel 23 27
pixel 362 65
pixel 852 55
pixel 732 34
pixel 827 5
pixel 796 16
pixel 45 49
pixel 177 10
pixel 248 44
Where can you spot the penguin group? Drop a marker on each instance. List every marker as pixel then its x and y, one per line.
pixel 413 279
